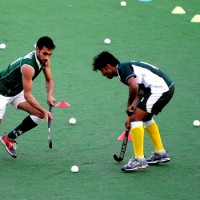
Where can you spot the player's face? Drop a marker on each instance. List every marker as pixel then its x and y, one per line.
pixel 108 72
pixel 44 54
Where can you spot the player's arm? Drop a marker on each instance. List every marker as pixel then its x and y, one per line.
pixel 136 101
pixel 49 84
pixel 132 98
pixel 133 92
pixel 27 75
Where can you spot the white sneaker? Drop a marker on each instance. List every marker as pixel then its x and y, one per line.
pixel 134 164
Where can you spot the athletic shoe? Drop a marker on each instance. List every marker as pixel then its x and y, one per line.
pixel 9 144
pixel 134 164
pixel 157 158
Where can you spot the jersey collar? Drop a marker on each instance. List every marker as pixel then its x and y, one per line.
pixel 37 61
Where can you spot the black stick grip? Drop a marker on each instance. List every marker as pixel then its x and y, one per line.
pixel 49 120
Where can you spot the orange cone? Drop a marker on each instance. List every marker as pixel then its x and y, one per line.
pixel 62 104
pixel 121 137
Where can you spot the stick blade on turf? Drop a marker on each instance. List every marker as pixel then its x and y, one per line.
pixel 118 159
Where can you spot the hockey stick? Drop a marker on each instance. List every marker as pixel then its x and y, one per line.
pixel 49 129
pixel 125 141
pixel 123 148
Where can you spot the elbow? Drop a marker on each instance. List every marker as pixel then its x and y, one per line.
pixel 27 97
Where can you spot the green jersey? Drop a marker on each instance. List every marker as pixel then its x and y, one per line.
pixel 11 78
pixel 149 78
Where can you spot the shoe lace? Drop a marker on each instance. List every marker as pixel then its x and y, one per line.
pixel 153 154
pixel 14 146
pixel 132 160
pixel 12 143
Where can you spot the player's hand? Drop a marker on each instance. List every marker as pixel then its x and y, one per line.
pixel 127 124
pixel 51 100
pixel 130 110
pixel 48 115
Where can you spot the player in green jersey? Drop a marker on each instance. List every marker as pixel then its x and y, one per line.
pixel 150 90
pixel 16 89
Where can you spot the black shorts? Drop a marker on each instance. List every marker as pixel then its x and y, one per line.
pixel 154 103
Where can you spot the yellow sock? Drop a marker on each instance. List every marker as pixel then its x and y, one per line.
pixel 137 133
pixel 154 134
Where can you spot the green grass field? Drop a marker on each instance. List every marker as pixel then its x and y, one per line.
pixel 140 31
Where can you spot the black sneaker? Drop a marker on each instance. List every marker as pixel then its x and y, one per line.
pixel 157 158
pixel 9 144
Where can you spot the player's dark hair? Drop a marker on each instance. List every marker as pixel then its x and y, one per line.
pixel 102 59
pixel 45 41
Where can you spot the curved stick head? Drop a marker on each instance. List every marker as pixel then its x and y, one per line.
pixel 118 159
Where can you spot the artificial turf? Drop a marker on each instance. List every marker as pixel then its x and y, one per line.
pixel 140 31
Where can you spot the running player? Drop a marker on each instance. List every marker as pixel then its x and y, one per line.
pixel 150 90
pixel 16 89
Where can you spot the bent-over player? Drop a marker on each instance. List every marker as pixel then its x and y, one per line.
pixel 150 90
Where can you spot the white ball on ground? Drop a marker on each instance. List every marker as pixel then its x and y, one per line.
pixel 196 123
pixel 2 46
pixel 123 3
pixel 72 120
pixel 74 168
pixel 107 41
